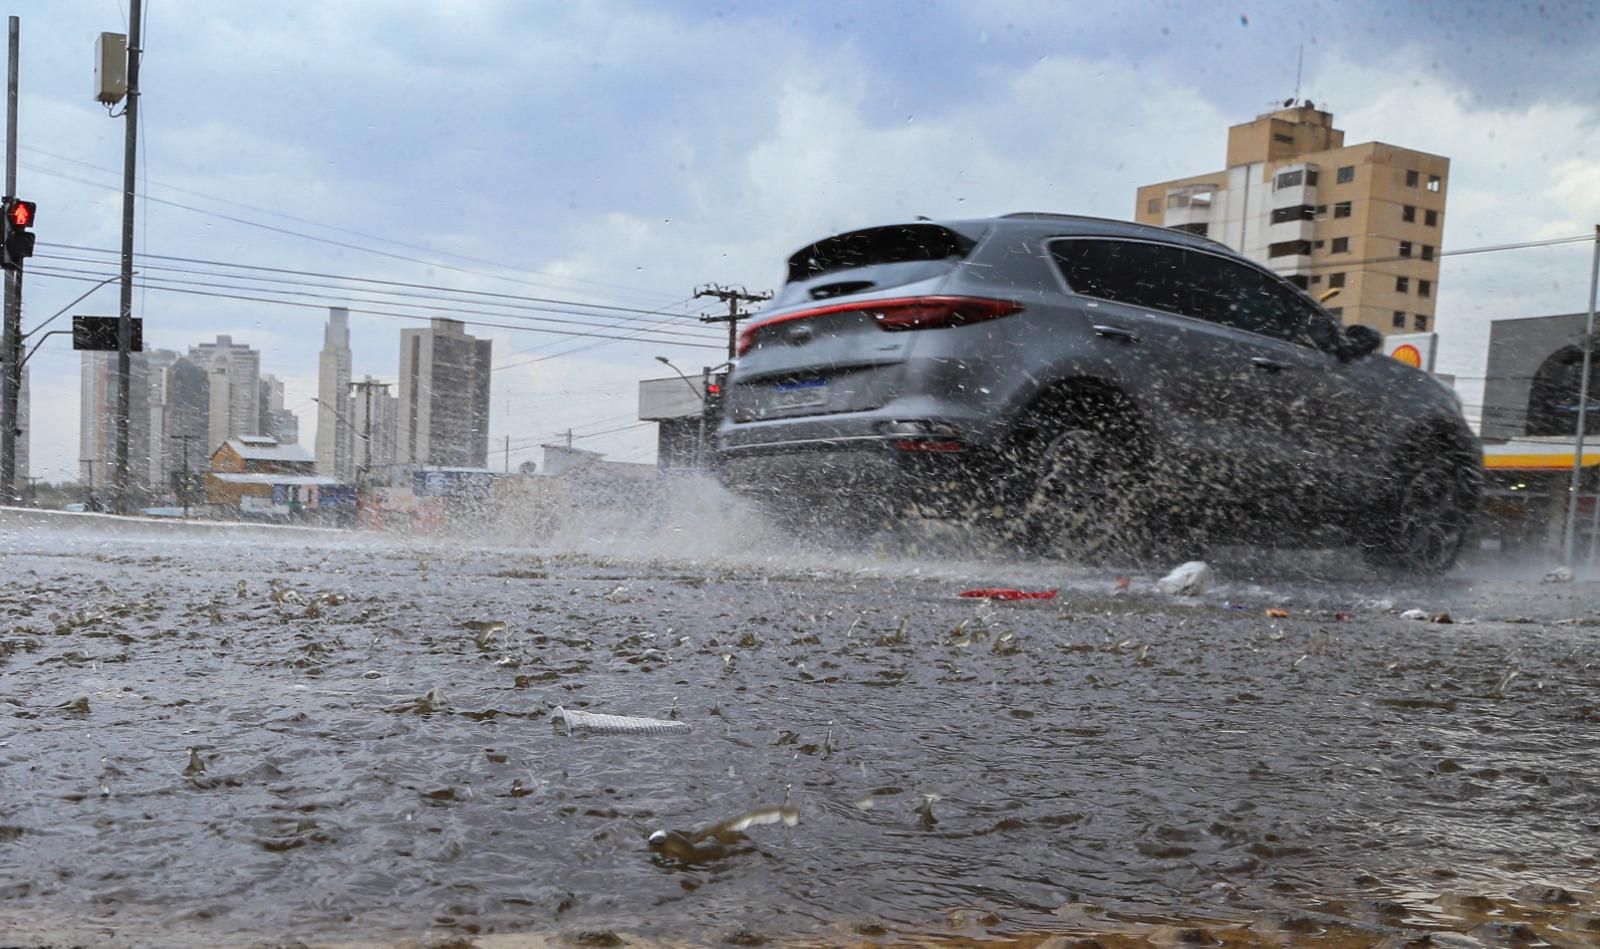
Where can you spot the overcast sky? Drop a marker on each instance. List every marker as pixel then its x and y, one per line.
pixel 623 154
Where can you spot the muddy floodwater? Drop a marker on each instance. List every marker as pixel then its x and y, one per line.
pixel 234 740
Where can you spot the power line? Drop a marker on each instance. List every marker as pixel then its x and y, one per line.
pixel 382 313
pixel 347 278
pixel 344 244
pixel 341 298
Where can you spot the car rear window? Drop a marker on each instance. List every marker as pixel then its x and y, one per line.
pixel 906 243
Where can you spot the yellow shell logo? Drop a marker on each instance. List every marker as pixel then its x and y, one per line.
pixel 1409 354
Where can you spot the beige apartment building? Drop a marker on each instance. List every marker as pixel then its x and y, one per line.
pixel 1363 219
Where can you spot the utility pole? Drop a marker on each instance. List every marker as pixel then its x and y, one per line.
pixel 569 438
pixel 365 471
pixel 183 486
pixel 732 297
pixel 508 454
pixel 88 466
pixel 130 114
pixel 32 496
pixel 1569 542
pixel 10 388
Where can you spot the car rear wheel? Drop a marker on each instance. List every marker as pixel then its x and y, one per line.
pixel 1075 496
pixel 1424 524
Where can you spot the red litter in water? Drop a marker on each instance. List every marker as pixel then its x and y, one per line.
pixel 1003 594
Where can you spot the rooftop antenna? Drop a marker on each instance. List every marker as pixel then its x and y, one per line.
pixel 1299 61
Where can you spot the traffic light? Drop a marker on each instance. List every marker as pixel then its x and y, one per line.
pixel 17 243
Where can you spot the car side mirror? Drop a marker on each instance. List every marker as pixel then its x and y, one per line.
pixel 1359 340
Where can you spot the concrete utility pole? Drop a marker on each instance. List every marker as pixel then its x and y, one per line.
pixel 10 388
pixel 88 466
pixel 130 151
pixel 732 297
pixel 184 485
pixel 1570 540
pixel 365 471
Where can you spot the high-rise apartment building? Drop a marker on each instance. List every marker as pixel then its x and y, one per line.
pixel 239 401
pixel 333 398
pixel 97 434
pixel 186 410
pixel 444 396
pixel 277 421
pixel 1366 220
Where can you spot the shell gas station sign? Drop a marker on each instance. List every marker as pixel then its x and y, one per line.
pixel 1414 349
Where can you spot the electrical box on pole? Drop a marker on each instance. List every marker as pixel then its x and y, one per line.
pixel 110 68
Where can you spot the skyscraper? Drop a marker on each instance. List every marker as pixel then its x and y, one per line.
pixel 240 402
pixel 277 421
pixel 1366 220
pixel 334 434
pixel 444 396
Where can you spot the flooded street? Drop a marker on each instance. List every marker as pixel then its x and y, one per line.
pixel 326 738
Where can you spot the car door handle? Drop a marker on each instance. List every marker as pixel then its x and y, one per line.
pixel 1116 333
pixel 1268 365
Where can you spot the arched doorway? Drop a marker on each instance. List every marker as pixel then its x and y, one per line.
pixel 1553 397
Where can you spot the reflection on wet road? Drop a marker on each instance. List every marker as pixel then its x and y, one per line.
pixel 265 739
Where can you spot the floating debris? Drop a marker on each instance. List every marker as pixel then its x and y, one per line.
pixel 615 724
pixel 1558 575
pixel 1418 615
pixel 1002 593
pixel 713 842
pixel 1189 579
pixel 195 766
pixel 1274 612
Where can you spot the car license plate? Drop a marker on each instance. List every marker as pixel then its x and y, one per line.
pixel 802 394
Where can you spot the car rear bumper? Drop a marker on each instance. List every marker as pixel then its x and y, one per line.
pixel 941 477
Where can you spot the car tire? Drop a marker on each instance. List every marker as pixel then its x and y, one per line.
pixel 1425 521
pixel 1075 495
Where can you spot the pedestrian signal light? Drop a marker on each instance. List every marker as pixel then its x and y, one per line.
pixel 19 214
pixel 17 242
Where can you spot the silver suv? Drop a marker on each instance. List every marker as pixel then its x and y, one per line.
pixel 1088 387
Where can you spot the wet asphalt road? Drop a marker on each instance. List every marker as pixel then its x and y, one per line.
pixel 325 738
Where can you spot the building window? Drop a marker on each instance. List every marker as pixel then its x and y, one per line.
pixel 1412 179
pixel 1290 179
pixel 1399 321
pixel 1311 177
pixel 1420 322
pixel 1337 312
pixel 1405 248
pixel 1346 174
pixel 1285 139
pixel 1289 249
pixel 1431 218
pixel 1316 279
pixel 1196 228
pixel 1342 209
pixel 1408 213
pixel 1297 212
pixel 1424 288
pixel 1435 183
pixel 1152 206
pixel 1341 245
pixel 1300 280
pixel 1402 285
pixel 1336 279
pixel 1427 251
pixel 1322 210
pixel 1317 245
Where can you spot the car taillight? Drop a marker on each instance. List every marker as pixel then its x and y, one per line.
pixel 902 313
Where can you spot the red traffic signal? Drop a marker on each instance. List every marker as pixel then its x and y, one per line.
pixel 19 213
